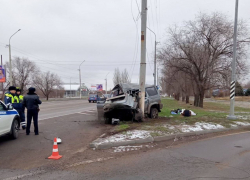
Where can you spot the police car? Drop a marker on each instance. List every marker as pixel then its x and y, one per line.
pixel 9 120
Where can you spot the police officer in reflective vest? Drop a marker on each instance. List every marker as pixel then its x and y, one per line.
pixel 20 107
pixel 10 97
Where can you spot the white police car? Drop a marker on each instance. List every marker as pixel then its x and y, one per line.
pixel 9 120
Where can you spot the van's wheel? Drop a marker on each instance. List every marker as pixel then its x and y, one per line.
pixel 14 129
pixel 89 101
pixel 154 113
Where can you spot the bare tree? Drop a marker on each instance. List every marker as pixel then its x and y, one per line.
pixel 117 76
pixel 120 77
pixel 23 71
pixel 125 76
pixel 202 49
pixel 47 82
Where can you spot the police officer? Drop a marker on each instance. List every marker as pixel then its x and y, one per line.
pixel 10 97
pixel 20 107
pixel 31 102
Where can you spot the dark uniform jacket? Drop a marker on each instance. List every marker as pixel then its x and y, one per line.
pixel 31 101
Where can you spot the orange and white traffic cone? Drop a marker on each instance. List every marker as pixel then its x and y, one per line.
pixel 55 153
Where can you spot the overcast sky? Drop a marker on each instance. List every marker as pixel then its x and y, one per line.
pixel 58 34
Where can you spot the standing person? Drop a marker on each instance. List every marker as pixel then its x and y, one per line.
pixel 10 97
pixel 20 107
pixel 31 101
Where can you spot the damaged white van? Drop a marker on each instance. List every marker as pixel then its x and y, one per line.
pixel 123 103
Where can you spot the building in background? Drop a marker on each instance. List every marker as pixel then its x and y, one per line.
pixel 72 90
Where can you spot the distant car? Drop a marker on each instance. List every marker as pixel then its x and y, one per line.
pixel 9 120
pixel 93 98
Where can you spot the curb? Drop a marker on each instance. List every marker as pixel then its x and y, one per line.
pixel 96 144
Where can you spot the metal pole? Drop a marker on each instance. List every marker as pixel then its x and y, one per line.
pixel 106 83
pixel 233 81
pixel 143 55
pixel 11 78
pixel 80 79
pixel 154 58
pixel 106 86
pixel 70 88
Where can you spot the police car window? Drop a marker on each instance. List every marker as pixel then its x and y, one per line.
pixel 2 107
pixel 151 91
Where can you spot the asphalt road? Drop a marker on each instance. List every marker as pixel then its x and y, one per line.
pixel 73 121
pixel 224 157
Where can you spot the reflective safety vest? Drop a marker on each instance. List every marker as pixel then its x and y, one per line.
pixel 14 99
pixel 20 98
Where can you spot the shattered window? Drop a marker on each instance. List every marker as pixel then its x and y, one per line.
pixel 151 91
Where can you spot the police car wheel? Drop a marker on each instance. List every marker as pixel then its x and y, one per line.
pixel 14 129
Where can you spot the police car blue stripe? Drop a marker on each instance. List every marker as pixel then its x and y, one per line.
pixel 2 113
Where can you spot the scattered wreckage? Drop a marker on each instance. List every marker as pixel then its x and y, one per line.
pixel 123 103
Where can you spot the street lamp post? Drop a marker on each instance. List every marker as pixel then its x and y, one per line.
pixel 80 79
pixel 10 69
pixel 106 83
pixel 233 81
pixel 154 57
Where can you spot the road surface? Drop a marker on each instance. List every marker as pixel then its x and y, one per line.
pixel 223 157
pixel 73 121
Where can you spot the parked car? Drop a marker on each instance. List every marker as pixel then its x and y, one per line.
pixel 93 98
pixel 9 120
pixel 123 103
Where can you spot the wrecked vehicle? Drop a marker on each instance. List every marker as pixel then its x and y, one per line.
pixel 123 103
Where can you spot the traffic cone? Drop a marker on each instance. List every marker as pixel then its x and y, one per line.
pixel 55 153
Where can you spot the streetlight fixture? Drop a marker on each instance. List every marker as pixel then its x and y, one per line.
pixel 10 69
pixel 106 83
pixel 80 79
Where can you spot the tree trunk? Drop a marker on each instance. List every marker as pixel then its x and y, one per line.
pixel 196 100
pixel 183 98
pixel 177 97
pixel 47 97
pixel 201 98
pixel 187 99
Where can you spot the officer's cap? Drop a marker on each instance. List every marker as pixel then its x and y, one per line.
pixel 12 88
pixel 18 89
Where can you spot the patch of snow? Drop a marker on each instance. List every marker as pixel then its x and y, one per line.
pixel 199 126
pixel 233 125
pixel 138 134
pixel 188 128
pixel 126 148
pixel 209 125
pixel 242 123
pixel 243 117
pixel 130 135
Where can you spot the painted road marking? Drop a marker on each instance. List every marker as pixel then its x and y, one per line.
pixel 24 175
pixel 89 162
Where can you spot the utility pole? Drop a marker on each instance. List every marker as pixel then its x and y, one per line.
pixel 232 84
pixel 80 80
pixel 154 57
pixel 10 70
pixel 143 54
